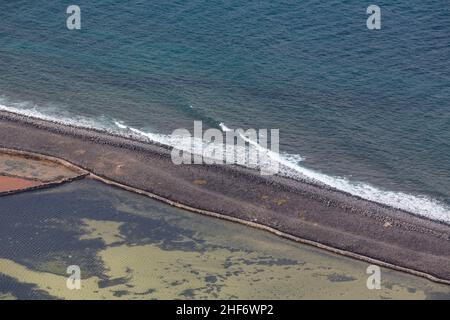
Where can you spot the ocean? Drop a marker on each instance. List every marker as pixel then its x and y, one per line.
pixel 364 111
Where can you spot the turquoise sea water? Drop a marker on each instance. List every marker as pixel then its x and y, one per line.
pixel 366 111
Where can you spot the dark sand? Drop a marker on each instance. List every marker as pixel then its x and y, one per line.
pixel 312 214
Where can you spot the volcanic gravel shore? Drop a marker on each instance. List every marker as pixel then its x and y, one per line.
pixel 301 211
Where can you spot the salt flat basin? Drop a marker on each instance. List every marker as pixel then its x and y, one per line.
pixel 21 171
pixel 129 246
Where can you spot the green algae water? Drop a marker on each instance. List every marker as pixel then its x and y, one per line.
pixel 131 247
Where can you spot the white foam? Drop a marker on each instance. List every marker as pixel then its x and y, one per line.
pixel 420 205
pixel 51 114
pixel 120 125
pixel 191 144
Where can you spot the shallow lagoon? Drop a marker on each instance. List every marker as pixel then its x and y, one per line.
pixel 132 247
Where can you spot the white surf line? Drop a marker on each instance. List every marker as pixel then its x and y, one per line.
pixel 419 205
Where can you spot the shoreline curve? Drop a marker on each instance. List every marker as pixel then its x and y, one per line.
pixel 314 215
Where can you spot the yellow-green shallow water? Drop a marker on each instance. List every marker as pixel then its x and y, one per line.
pixel 131 247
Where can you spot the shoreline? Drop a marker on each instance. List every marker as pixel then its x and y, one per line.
pixel 134 142
pixel 311 214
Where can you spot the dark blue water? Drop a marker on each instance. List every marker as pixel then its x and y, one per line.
pixel 367 106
